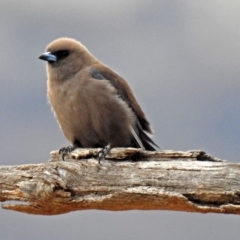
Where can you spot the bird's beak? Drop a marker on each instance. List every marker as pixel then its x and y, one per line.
pixel 48 56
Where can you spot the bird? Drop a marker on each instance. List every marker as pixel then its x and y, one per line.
pixel 94 106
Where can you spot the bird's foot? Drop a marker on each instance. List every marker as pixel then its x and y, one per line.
pixel 66 150
pixel 103 152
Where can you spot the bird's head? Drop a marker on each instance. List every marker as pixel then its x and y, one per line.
pixel 65 57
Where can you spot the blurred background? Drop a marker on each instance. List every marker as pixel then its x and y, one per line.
pixel 181 59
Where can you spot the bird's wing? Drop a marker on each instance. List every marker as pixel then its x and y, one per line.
pixel 141 139
pixel 100 71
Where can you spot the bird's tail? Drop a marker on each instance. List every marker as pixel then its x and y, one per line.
pixel 142 140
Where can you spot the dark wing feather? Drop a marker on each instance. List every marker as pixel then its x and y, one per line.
pixel 140 135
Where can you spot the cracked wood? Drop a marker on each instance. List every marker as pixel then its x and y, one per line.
pixel 128 179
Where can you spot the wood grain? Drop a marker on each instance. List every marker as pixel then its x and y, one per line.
pixel 128 179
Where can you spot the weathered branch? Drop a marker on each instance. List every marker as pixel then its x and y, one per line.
pixel 183 181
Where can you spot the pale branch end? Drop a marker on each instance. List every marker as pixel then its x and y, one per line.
pixel 128 179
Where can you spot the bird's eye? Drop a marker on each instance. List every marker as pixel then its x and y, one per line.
pixel 65 53
pixel 62 54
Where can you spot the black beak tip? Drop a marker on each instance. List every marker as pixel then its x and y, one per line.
pixel 41 57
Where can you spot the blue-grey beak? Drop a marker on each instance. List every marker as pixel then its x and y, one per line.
pixel 48 56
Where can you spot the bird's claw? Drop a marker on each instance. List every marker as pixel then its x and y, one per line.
pixel 66 150
pixel 103 152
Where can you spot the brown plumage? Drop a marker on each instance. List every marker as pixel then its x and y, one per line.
pixel 95 107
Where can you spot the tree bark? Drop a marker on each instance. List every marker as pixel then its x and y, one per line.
pixel 127 179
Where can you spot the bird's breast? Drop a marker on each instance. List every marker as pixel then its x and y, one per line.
pixel 70 108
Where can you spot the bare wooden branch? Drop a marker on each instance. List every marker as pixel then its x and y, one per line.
pixel 130 179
